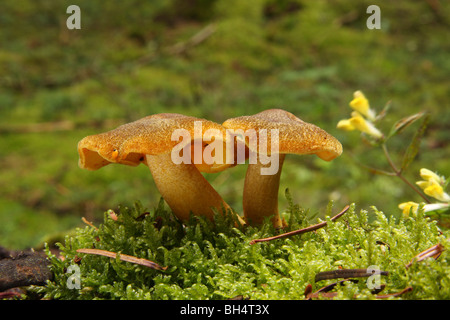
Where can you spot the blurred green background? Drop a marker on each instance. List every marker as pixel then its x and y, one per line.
pixel 213 59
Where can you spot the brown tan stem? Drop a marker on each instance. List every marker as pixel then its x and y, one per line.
pixel 184 188
pixel 260 199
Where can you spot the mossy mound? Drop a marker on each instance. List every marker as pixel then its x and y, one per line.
pixel 217 261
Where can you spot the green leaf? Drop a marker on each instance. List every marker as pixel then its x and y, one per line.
pixel 402 124
pixel 414 146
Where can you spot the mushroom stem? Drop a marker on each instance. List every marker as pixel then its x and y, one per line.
pixel 184 188
pixel 260 199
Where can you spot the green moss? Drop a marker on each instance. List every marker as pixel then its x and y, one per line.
pixel 216 261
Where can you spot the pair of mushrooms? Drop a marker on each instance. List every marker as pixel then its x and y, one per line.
pixel 182 185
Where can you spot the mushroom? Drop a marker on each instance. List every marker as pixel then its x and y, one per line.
pixel 284 133
pixel 154 141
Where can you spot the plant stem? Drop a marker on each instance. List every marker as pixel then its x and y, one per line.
pixel 398 173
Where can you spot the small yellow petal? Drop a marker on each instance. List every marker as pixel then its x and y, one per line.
pixel 430 175
pixel 345 125
pixel 363 125
pixel 436 191
pixel 358 94
pixel 361 104
pixel 408 207
pixel 423 184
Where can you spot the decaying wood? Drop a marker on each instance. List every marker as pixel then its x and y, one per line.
pixel 24 269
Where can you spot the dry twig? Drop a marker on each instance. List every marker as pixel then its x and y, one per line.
pixel 346 273
pixel 123 257
pixel 304 230
pixel 432 252
pixel 88 223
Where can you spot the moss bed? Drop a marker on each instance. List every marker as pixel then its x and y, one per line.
pixel 203 260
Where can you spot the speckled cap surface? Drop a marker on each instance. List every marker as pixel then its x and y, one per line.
pixel 295 136
pixel 129 143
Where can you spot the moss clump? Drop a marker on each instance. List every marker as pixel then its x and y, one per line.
pixel 207 261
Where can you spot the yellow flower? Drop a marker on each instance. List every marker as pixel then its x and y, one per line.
pixel 408 207
pixel 361 104
pixel 358 122
pixel 436 191
pixel 345 125
pixel 432 185
pixel 412 207
pixel 361 124
pixel 430 175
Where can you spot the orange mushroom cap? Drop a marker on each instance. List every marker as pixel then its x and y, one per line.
pixel 295 136
pixel 129 143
